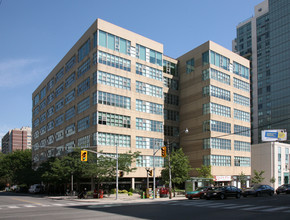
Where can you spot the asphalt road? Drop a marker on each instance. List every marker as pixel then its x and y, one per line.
pixel 15 206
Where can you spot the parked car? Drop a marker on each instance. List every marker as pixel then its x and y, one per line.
pixel 258 190
pixel 223 192
pixel 198 193
pixel 285 188
pixel 36 188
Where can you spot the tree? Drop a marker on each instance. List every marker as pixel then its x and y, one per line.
pixel 98 169
pixel 204 171
pixel 16 168
pixel 258 177
pixel 243 179
pixel 180 168
pixel 103 168
pixel 273 180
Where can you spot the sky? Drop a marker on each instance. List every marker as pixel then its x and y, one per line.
pixel 36 34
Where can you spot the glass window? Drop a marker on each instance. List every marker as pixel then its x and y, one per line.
pixel 217 143
pixel 83 105
pixel 190 66
pixel 84 68
pixel 219 126
pixel 241 130
pixel 70 97
pixel 84 50
pixel 149 89
pixel 59 75
pixel 111 99
pixel 70 63
pixel 108 139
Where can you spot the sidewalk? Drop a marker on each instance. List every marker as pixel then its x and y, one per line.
pixel 122 198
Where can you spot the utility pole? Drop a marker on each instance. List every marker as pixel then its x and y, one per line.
pixel 169 165
pixel 154 168
pixel 114 158
pixel 169 168
pixel 117 172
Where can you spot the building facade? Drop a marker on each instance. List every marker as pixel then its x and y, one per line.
pixel 215 107
pixel 107 91
pixel 16 139
pixel 273 159
pixel 265 40
pixel 115 88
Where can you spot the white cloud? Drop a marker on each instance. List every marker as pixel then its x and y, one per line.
pixel 19 72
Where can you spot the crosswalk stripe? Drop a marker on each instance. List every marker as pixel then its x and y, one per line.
pixel 220 206
pixel 237 206
pixel 58 204
pixel 29 206
pixel 275 209
pixel 256 207
pixel 73 204
pixel 13 207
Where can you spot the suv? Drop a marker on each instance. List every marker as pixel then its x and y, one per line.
pixel 223 192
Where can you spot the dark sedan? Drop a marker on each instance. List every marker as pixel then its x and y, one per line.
pixel 285 188
pixel 223 192
pixel 258 190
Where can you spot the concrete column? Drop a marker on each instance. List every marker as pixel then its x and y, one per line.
pixel 133 183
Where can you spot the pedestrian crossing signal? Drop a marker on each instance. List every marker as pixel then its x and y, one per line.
pixel 121 174
pixel 163 151
pixel 84 155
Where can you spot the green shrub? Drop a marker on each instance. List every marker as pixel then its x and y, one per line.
pixel 130 194
pixel 131 190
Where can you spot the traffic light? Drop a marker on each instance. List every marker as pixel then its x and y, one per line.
pixel 84 155
pixel 121 173
pixel 163 151
pixel 150 172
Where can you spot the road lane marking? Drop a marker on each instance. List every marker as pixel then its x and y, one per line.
pixel 237 206
pixel 22 200
pixel 275 209
pixel 256 207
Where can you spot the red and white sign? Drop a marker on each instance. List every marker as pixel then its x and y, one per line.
pixel 222 178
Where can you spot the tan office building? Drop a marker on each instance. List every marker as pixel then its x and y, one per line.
pixel 215 107
pixel 115 87
pixel 107 90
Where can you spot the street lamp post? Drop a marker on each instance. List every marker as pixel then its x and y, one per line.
pixel 117 172
pixel 169 165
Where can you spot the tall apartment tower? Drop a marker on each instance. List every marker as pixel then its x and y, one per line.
pixel 215 107
pixel 108 91
pixel 16 139
pixel 265 40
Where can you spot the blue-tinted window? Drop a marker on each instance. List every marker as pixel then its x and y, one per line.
pixel 83 105
pixel 70 97
pixel 84 68
pixel 190 66
pixel 84 51
pixel 59 75
pixel 70 113
pixel 70 63
pixel 70 80
pixel 83 86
